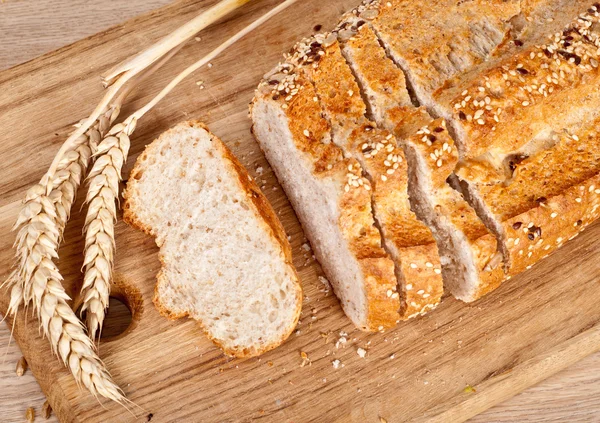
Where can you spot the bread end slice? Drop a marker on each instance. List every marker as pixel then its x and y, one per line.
pixel 226 261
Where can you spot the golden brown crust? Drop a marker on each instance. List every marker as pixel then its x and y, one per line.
pixel 438 39
pixel 538 232
pixel 423 287
pixel 384 85
pixel 261 207
pixel 541 87
pixel 525 179
pixel 385 164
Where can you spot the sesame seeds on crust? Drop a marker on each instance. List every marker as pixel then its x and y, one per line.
pixel 500 96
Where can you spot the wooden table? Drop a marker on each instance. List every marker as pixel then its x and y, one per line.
pixel 30 28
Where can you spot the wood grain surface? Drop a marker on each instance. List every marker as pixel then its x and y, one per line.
pixel 32 27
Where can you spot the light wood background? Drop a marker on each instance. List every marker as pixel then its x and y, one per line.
pixel 29 28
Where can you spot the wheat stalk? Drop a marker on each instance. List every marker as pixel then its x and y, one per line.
pixel 124 72
pixel 103 192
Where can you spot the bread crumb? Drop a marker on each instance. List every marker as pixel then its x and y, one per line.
pixel 469 389
pixel 305 359
pixel 336 364
pixel 341 341
pixel 325 283
pixel 382 420
pixel 361 352
pixel 210 65
pixel 306 246
pixel 259 170
pixel 392 356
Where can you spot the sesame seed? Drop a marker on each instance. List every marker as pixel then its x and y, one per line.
pixel 420 292
pixel 389 292
pixel 553 215
pixel 306 133
pixel 413 265
pixel 438 271
pixel 409 287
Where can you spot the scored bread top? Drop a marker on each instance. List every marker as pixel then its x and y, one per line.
pixel 433 41
pixel 384 85
pixel 527 178
pixel 385 164
pixel 217 235
pixel 509 104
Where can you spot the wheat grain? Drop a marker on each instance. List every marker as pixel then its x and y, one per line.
pixel 21 367
pixel 30 415
pixel 46 410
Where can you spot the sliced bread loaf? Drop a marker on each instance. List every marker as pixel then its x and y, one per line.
pixel 408 240
pixel 226 261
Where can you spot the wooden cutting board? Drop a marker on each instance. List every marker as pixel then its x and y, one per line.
pixel 446 366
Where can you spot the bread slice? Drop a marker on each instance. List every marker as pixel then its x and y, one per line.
pixel 471 255
pixel 408 241
pixel 329 194
pixel 226 261
pixel 466 247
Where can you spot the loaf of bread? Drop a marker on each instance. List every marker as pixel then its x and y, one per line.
pixel 471 124
pixel 226 260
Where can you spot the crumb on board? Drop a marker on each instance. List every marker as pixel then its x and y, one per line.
pixel 305 359
pixel 469 389
pixel 336 364
pixel 361 352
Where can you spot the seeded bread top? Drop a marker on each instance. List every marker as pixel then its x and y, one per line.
pixel 437 40
pixel 506 106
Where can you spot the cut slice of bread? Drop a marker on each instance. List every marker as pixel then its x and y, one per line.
pixel 385 166
pixel 226 261
pixel 329 194
pixel 471 255
pixel 464 244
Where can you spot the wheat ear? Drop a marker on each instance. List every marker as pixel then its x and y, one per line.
pixel 103 191
pixel 37 280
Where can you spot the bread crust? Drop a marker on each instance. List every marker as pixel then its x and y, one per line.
pixel 541 87
pixel 533 235
pixel 260 206
pixel 436 40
